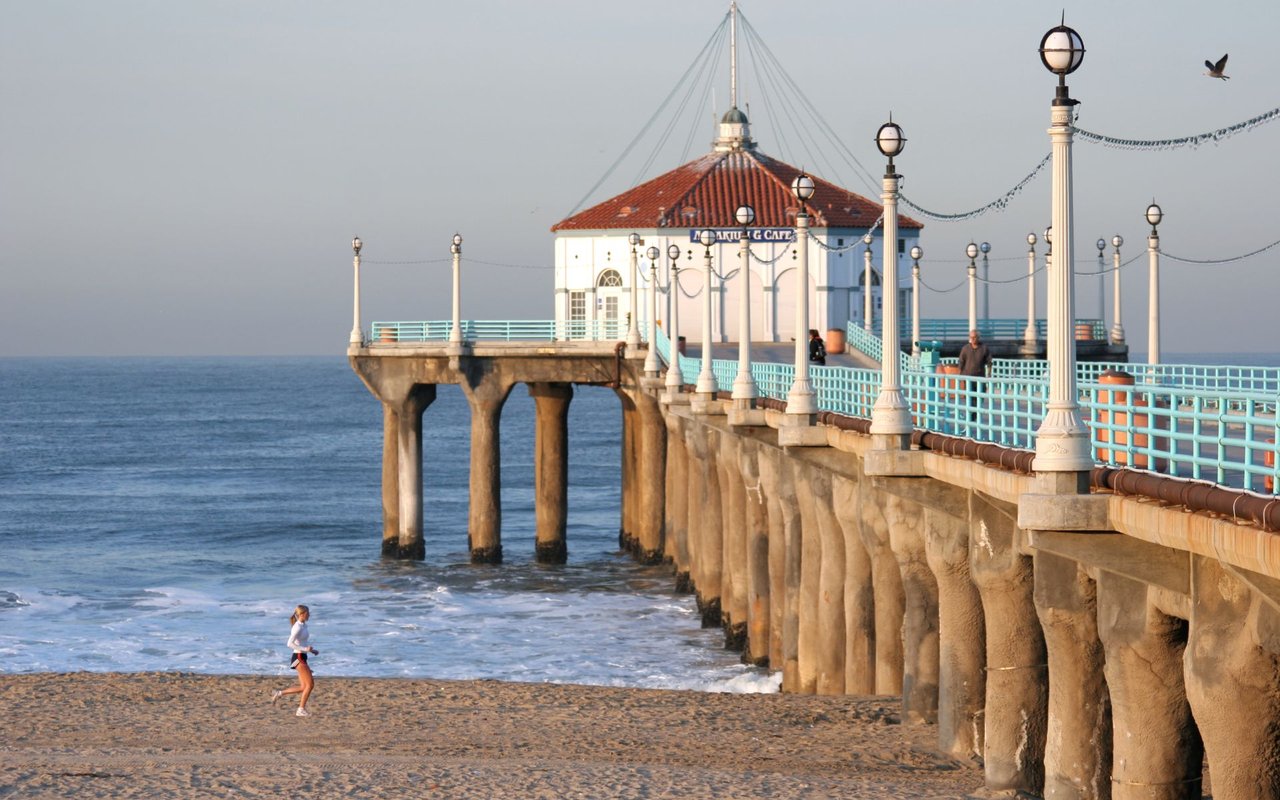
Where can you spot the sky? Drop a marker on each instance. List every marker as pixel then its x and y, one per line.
pixel 184 178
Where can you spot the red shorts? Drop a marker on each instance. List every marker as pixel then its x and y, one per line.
pixel 298 658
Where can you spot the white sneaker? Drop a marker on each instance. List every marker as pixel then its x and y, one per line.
pixel 302 712
pixel 276 695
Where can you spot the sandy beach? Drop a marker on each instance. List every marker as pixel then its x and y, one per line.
pixel 180 735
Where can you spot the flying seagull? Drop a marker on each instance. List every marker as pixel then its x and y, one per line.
pixel 1215 70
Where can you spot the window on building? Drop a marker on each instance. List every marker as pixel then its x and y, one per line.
pixel 610 277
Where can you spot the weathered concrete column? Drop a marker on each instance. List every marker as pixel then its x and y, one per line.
pixel 651 465
pixel 677 494
pixel 409 543
pixel 627 540
pixel 756 519
pixel 390 480
pixel 551 469
pixel 783 521
pixel 808 633
pixel 961 627
pixel 486 393
pixel 1233 677
pixel 1077 751
pixel 859 594
pixel 920 618
pixel 1157 751
pixel 695 490
pixel 890 598
pixel 831 580
pixel 710 538
pixel 733 572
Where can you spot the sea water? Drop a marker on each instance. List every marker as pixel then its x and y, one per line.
pixel 167 514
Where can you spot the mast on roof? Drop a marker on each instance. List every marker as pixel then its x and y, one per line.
pixel 735 130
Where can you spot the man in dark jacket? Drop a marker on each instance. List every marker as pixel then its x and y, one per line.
pixel 817 350
pixel 975 362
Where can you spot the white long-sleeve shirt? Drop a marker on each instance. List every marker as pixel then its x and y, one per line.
pixel 298 637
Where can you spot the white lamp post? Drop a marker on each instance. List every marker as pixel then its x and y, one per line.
pixel 1062 441
pixel 890 417
pixel 652 365
pixel 706 386
pixel 633 328
pixel 916 253
pixel 985 247
pixel 971 250
pixel 1102 284
pixel 1154 215
pixel 1117 327
pixel 675 379
pixel 744 386
pixel 1029 333
pixel 801 400
pixel 357 337
pixel 455 333
pixel 866 281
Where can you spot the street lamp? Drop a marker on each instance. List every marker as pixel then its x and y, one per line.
pixel 985 247
pixel 866 283
pixel 675 379
pixel 706 386
pixel 744 386
pixel 1062 441
pixel 1117 328
pixel 1154 215
pixel 633 329
pixel 1102 283
pixel 801 400
pixel 455 332
pixel 356 338
pixel 1029 333
pixel 916 253
pixel 971 250
pixel 652 366
pixel 891 416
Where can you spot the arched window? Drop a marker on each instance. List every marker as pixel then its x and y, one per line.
pixel 609 277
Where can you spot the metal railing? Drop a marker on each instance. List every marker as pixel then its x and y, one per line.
pixel 1216 424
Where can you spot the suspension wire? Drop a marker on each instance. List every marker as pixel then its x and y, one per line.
pixel 715 34
pixel 999 204
pixel 712 54
pixel 943 291
pixel 774 124
pixel 823 126
pixel 1198 139
pixel 1221 260
pixel 702 103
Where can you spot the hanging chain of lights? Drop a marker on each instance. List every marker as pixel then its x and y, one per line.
pixel 1214 137
pixel 999 204
pixel 1220 260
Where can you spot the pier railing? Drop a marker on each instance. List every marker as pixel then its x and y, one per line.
pixel 1217 424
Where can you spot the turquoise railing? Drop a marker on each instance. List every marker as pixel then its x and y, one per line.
pixel 1216 424
pixel 958 329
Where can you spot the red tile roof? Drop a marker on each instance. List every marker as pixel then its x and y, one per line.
pixel 706 192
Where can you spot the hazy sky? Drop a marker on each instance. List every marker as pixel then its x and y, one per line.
pixel 185 177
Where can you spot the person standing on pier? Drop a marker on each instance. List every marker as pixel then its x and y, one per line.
pixel 975 362
pixel 299 639
pixel 817 349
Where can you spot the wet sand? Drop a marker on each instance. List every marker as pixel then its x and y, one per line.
pixel 179 735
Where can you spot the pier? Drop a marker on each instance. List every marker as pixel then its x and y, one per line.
pixel 1096 644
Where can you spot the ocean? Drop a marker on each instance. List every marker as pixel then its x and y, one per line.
pixel 167 514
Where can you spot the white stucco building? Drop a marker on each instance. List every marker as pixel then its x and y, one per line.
pixel 592 255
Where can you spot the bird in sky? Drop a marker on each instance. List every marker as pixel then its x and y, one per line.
pixel 1215 70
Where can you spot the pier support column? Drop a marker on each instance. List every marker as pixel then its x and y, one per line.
pixel 1157 751
pixel 551 469
pixel 1233 678
pixel 733 591
pixel 1077 747
pixel 651 442
pixel 756 519
pixel 961 628
pixel 808 631
pixel 791 569
pixel 408 419
pixel 390 480
pixel 710 556
pixel 920 620
pixel 890 597
pixel 781 516
pixel 859 592
pixel 831 582
pixel 677 494
pixel 486 394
